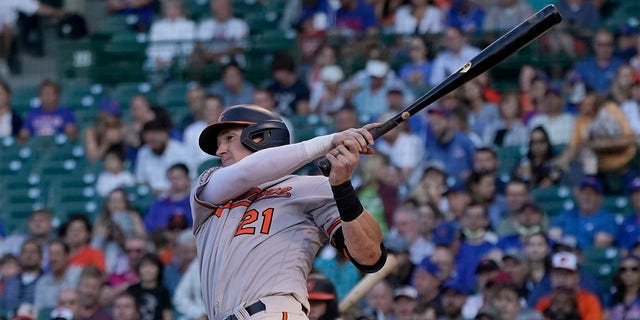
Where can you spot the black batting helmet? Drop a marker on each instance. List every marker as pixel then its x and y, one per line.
pixel 258 122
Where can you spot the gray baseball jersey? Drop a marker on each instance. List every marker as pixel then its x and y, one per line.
pixel 263 242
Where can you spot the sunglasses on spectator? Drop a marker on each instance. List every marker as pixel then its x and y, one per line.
pixel 625 269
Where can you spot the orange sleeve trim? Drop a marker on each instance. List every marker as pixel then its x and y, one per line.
pixel 333 226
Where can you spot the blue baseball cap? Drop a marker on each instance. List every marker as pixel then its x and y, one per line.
pixel 428 266
pixel 439 110
pixel 455 286
pixel 591 182
pixel 634 185
pixel 445 233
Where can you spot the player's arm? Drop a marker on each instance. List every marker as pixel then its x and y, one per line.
pixel 269 164
pixel 359 237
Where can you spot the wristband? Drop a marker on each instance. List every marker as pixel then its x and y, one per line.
pixel 349 206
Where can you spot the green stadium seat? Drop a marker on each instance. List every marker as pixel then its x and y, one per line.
pixel 259 21
pixel 197 9
pixel 208 164
pixel 601 263
pixel 116 24
pixel 271 41
pixel 24 98
pixel 509 158
pixel 553 193
pixel 123 92
pixel 173 95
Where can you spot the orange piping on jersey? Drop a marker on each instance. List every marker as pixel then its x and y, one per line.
pixel 333 226
pixel 285 316
pixel 345 253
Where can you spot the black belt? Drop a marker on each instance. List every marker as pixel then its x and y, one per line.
pixel 251 310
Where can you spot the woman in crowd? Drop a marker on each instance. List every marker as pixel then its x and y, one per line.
pixel 509 130
pixel 536 167
pixel 625 300
pixel 419 17
pixel 153 298
pixel 621 86
pixel 107 131
pixel 416 73
pixel 10 121
pixel 538 253
pixel 482 114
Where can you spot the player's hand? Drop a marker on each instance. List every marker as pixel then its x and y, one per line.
pixel 344 160
pixel 361 136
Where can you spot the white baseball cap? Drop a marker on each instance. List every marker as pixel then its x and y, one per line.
pixel 565 260
pixel 332 74
pixel 377 68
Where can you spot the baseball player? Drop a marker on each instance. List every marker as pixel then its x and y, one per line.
pixel 259 228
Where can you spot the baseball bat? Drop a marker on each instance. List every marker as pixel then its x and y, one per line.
pixel 514 40
pixel 367 283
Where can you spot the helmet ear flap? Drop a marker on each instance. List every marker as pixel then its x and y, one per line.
pixel 267 134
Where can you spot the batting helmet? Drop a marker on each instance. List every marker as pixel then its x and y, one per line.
pixel 257 121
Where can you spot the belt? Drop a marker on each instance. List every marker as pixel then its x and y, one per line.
pixel 251 310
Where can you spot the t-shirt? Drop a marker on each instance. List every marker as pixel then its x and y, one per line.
pixel 167 213
pixel 88 256
pixel 151 302
pixel 42 122
pixel 287 98
pixel 584 227
pixel 361 18
pixel 588 305
pixel 9 10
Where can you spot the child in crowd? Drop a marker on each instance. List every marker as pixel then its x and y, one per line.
pixel 114 175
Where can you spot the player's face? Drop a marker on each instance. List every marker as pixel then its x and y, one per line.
pixel 230 148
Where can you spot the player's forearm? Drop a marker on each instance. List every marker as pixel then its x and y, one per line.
pixel 362 237
pixel 263 166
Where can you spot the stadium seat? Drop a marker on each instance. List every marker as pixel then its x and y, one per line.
pixel 116 24
pixel 23 98
pixel 601 263
pixel 123 92
pixel 197 9
pixel 553 193
pixel 509 158
pixel 173 95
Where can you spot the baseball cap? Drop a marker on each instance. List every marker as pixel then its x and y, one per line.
pixel 405 291
pixel 530 205
pixel 553 89
pixel 321 289
pixel 109 106
pixel 502 278
pixel 332 74
pixel 377 68
pixel 439 110
pixel 455 286
pixel 565 243
pixel 428 266
pixel 445 233
pixel 61 314
pixel 457 186
pixel 565 260
pixel 634 185
pixel 435 165
pixel 395 87
pixel 486 265
pixel 515 254
pixel 591 182
pixel 396 244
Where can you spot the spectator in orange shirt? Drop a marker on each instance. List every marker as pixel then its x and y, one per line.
pixel 76 233
pixel 565 276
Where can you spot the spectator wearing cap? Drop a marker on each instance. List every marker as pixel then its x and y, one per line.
pixel 395 96
pixel 158 153
pixel 427 280
pixel 405 224
pixel 485 270
pixel 327 95
pixel 323 302
pixel 446 145
pixel 107 131
pixel 477 242
pixel 447 234
pixel 379 300
pixel 527 220
pixel 589 223
pixel 587 282
pixel 629 230
pixel 290 91
pixel 457 198
pixel 401 274
pixel 624 302
pixel 631 107
pixel 404 149
pixel 453 295
pixel 371 86
pixel 445 259
pixel 405 300
pixel 555 120
pixel 565 274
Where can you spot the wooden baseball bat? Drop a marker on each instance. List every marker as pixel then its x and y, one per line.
pixel 496 52
pixel 367 283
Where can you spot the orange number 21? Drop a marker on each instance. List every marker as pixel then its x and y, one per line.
pixel 250 217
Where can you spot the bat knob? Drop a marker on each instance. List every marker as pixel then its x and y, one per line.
pixel 325 166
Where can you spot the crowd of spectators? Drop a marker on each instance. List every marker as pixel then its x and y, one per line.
pixel 472 242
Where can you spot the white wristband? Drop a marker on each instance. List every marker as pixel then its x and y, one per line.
pixel 318 146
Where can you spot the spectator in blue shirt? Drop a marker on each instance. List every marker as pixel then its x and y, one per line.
pixel 50 118
pixel 527 220
pixel 629 231
pixel 591 225
pixel 466 16
pixel 598 71
pixel 356 17
pixel 172 211
pixel 452 148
